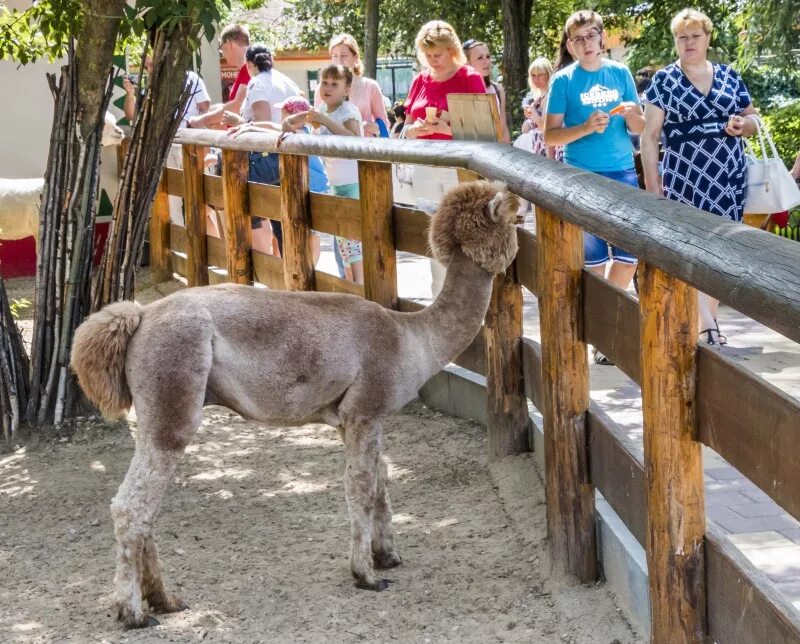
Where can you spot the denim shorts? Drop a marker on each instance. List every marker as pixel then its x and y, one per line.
pixel 263 169
pixel 596 251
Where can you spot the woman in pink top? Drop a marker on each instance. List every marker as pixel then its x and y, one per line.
pixel 444 71
pixel 365 93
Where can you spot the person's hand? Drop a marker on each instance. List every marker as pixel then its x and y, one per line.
pixel 195 121
pixel 439 126
pixel 597 122
pixel 235 131
pixel 128 86
pixel 528 111
pixel 313 117
pixel 231 118
pixel 735 125
pixel 210 160
pixel 371 129
pixel 626 109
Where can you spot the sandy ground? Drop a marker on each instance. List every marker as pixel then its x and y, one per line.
pixel 254 536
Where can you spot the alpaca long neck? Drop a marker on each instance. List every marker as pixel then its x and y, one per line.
pixel 454 319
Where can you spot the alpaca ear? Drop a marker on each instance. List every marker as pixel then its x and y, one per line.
pixel 493 207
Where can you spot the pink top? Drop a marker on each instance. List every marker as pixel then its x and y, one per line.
pixel 426 92
pixel 366 95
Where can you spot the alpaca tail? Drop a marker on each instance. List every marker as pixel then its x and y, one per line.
pixel 98 356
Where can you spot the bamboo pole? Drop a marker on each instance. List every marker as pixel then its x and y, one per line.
pixel 238 232
pixel 673 460
pixel 565 375
pixel 298 261
pixel 378 250
pixel 195 212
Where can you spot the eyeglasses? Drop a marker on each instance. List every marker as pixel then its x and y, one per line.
pixel 592 36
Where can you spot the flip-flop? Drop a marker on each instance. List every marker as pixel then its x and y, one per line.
pixel 600 358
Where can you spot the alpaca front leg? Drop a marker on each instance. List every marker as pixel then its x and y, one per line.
pixel 362 448
pixel 383 549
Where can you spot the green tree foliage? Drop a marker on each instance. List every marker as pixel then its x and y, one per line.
pixel 784 127
pixel 772 27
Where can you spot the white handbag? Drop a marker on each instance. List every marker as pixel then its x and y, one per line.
pixel 770 187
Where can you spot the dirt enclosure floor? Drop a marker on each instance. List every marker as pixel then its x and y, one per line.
pixel 254 536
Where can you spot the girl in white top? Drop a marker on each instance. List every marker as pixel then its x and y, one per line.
pixel 338 116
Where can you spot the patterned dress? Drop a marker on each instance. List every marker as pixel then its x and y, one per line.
pixel 703 166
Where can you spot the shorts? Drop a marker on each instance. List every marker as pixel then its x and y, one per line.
pixel 264 168
pixel 349 249
pixel 597 251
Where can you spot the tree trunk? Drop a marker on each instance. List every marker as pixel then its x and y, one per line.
pixel 516 34
pixel 154 127
pixel 67 212
pixel 371 22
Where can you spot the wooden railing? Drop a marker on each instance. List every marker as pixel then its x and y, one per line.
pixel 701 587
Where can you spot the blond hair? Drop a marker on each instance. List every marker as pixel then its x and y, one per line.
pixel 541 65
pixel 690 18
pixel 438 33
pixel 348 41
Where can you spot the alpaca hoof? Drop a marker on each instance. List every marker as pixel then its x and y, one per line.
pixel 387 559
pixel 378 585
pixel 131 621
pixel 162 604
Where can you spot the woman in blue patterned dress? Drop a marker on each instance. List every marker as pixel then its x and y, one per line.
pixel 703 109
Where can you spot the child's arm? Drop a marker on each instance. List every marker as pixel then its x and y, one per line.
pixel 349 128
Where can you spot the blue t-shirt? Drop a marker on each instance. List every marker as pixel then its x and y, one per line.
pixel 317 176
pixel 576 93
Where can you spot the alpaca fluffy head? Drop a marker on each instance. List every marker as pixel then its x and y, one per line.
pixel 479 217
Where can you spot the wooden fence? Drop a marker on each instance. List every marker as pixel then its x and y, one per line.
pixel 701 587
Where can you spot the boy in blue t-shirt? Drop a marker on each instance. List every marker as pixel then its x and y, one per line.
pixel 580 99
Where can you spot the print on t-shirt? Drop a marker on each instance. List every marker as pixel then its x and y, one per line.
pixel 599 96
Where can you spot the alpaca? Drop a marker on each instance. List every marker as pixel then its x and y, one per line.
pixel 19 198
pixel 285 358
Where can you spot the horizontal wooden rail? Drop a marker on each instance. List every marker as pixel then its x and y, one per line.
pixel 749 269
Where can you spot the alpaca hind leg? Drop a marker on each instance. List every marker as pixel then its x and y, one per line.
pixel 153 590
pixel 362 448
pixel 134 510
pixel 384 554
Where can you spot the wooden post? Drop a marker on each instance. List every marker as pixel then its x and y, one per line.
pixel 160 264
pixel 194 207
pixel 565 375
pixel 676 522
pixel 236 200
pixel 298 260
pixel 506 405
pixel 377 234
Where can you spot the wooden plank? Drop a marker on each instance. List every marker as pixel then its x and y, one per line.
pixel 506 407
pixel 380 257
pixel 408 306
pixel 238 231
pixel 611 323
pixel 268 270
pixel 336 215
pixel 751 424
pixel 411 231
pixel 212 185
pixel 195 215
pixel 616 472
pixel 265 201
pixel 174 181
pixel 160 268
pixel 532 371
pixel 298 261
pixel 474 117
pixel 474 356
pixel 217 253
pixel 328 283
pixel 743 605
pixel 526 262
pixel 565 374
pixel 676 523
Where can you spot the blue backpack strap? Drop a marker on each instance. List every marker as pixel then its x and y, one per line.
pixel 383 128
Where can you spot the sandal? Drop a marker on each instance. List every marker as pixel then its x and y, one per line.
pixel 707 336
pixel 721 339
pixel 600 358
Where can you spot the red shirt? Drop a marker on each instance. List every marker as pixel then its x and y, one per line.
pixel 426 92
pixel 242 79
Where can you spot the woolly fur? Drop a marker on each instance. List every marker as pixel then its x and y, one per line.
pixel 478 217
pixel 98 356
